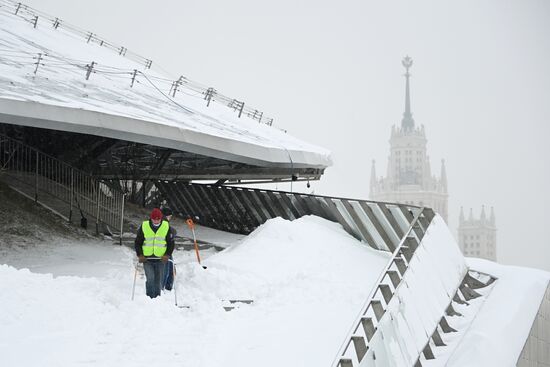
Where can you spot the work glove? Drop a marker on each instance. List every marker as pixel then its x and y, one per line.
pixel 164 259
pixel 142 259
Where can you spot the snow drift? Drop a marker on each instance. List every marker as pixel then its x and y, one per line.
pixel 307 278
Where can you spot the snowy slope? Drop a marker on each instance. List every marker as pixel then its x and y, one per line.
pixel 418 302
pixel 59 96
pixel 66 296
pixel 306 277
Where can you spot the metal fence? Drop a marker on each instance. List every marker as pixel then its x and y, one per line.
pixel 397 228
pixel 241 210
pixel 366 324
pixel 59 186
pixel 35 17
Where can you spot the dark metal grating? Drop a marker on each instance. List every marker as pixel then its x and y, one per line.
pixel 241 210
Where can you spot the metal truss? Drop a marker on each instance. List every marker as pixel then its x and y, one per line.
pixel 111 159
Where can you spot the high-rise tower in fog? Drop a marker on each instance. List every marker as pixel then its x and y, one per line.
pixel 409 177
pixel 478 237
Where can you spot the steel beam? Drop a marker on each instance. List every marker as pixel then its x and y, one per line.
pixel 372 217
pixel 364 231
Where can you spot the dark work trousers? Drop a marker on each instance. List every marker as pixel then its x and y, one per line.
pixel 153 275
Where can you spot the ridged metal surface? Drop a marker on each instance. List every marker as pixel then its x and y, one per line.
pixel 241 210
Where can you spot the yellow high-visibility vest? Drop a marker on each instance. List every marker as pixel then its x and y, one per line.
pixel 154 243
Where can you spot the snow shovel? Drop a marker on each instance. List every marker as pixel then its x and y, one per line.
pixel 191 225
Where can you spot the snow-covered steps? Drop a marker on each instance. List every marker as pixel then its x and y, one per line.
pixel 496 329
pixel 227 305
pixel 232 304
pixel 469 297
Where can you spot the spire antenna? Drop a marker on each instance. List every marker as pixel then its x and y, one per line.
pixel 407 123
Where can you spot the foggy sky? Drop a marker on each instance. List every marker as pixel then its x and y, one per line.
pixel 330 73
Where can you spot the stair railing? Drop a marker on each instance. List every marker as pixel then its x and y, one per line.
pixel 43 178
pixel 241 210
pixel 373 309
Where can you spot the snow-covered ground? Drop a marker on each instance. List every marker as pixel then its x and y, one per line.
pixel 66 298
pixel 67 303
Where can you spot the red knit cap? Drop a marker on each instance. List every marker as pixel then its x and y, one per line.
pixel 156 214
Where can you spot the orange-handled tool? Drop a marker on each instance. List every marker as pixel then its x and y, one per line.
pixel 191 225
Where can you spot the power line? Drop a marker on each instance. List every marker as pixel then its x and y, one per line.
pixel 182 85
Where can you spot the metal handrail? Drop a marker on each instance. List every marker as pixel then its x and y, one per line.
pixel 434 329
pixel 381 225
pixel 80 190
pixel 21 8
pixel 343 348
pixel 321 196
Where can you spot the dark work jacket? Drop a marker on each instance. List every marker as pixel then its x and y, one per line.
pixel 172 232
pixel 170 237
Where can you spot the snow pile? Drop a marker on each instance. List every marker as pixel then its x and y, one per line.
pixel 307 278
pixel 310 246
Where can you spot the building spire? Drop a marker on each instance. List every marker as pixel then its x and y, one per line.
pixel 407 123
pixel 461 218
pixel 372 178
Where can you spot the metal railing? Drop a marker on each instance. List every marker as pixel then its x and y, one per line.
pixel 465 291
pixel 59 186
pixel 396 228
pixel 241 210
pixel 365 325
pixel 35 16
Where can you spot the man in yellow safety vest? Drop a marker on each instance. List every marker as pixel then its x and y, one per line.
pixel 154 245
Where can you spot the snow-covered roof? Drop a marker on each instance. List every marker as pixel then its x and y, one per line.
pixel 51 77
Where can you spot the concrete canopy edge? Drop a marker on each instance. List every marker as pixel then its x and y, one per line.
pixel 35 114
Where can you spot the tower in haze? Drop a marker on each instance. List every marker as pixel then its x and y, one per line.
pixel 409 177
pixel 478 237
